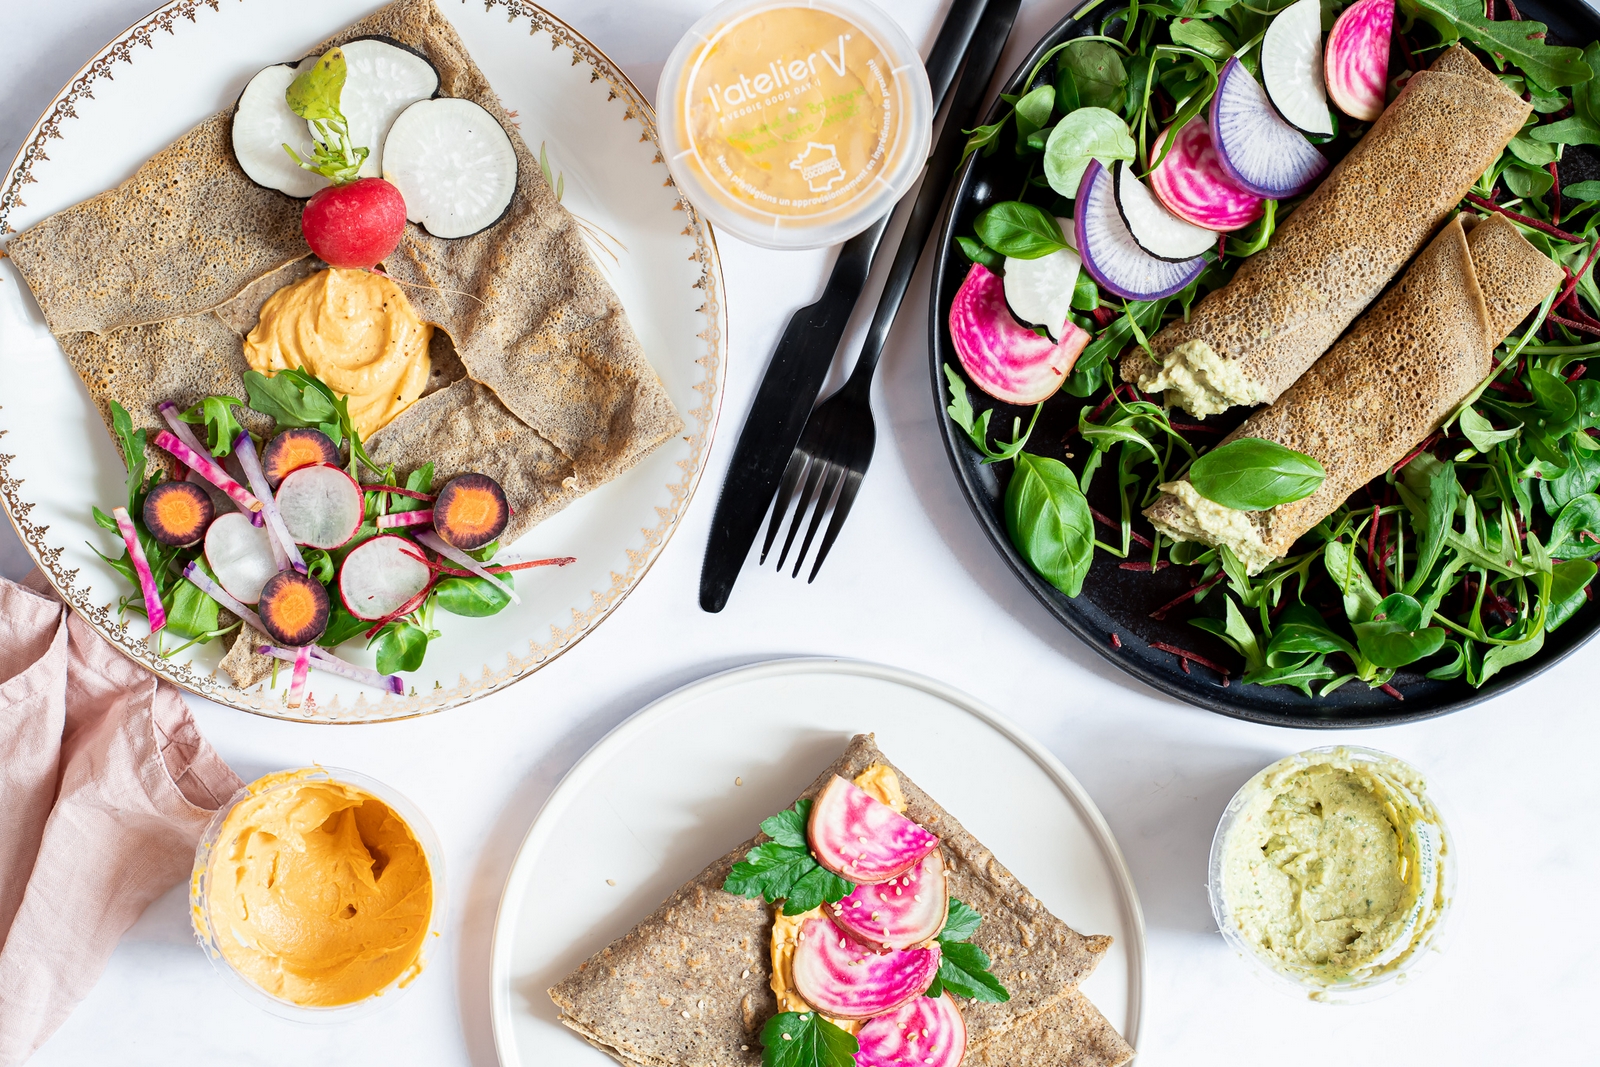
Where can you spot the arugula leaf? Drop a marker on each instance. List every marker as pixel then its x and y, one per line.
pixel 977 427
pixel 132 443
pixel 784 869
pixel 1252 474
pixel 806 1039
pixel 1089 133
pixel 291 402
pixel 1049 521
pixel 1522 43
pixel 1020 230
pixel 216 413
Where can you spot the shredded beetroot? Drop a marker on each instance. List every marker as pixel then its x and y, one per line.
pixel 456 572
pixel 1116 642
pixel 1146 567
pixel 1391 690
pixel 1570 292
pixel 1570 324
pixel 1577 372
pixel 1103 316
pixel 1194 427
pixel 1186 655
pixel 1105 520
pixel 1513 388
pixel 1222 245
pixel 1511 6
pixel 1405 50
pixel 1427 443
pixel 1161 612
pixel 397 491
pixel 401 612
pixel 1543 227
pixel 1555 213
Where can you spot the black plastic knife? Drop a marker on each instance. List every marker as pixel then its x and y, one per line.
pixel 799 364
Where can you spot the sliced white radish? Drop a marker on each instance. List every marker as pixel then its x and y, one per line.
pixel 1040 290
pixel 454 165
pixel 380 575
pixel 1190 181
pixel 1111 254
pixel 1358 58
pixel 263 124
pixel 384 78
pixel 1291 67
pixel 321 506
pixel 239 553
pixel 1260 152
pixel 1158 231
pixel 1003 357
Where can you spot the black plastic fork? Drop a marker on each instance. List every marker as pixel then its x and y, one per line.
pixel 835 448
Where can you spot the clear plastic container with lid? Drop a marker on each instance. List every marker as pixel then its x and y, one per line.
pixel 794 123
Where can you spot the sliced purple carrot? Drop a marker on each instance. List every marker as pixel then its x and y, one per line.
pixel 455 555
pixel 326 661
pixel 294 608
pixel 297 684
pixel 293 449
pixel 471 511
pixel 211 471
pixel 141 567
pixel 178 513
pixel 422 517
pixel 284 551
pixel 211 589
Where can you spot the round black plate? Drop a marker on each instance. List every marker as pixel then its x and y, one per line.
pixel 1117 601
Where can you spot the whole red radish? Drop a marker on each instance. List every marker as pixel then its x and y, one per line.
pixel 356 225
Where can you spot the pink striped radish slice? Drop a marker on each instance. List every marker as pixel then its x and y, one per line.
pixel 899 913
pixel 845 979
pixel 1190 181
pixel 321 505
pixel 1003 357
pixel 857 836
pixel 240 555
pixel 1357 62
pixel 380 575
pixel 926 1031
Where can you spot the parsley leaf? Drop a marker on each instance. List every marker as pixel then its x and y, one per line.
pixel 964 967
pixel 806 1039
pixel 784 869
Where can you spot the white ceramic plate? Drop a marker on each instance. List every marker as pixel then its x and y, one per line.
pixel 656 800
pixel 191 59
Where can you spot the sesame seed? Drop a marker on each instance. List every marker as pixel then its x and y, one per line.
pixel 685 1015
pixel 702 1004
pixel 873 916
pixel 862 840
pixel 611 881
pixel 786 1037
pixel 802 935
pixel 738 781
pixel 917 897
pixel 924 1033
pixel 841 942
pixel 901 1025
pixel 746 973
pixel 744 1048
pixel 896 890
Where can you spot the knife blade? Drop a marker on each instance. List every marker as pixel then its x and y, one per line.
pixel 800 362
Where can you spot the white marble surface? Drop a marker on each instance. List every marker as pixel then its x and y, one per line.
pixel 912 583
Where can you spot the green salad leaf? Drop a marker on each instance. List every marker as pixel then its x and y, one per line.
pixel 216 414
pixel 964 967
pixel 1088 134
pixel 1252 474
pixel 1094 73
pixel 314 95
pixel 806 1039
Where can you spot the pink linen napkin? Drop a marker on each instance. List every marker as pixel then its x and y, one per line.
pixel 105 788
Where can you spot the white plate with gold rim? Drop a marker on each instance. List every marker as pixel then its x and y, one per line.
pixel 191 59
pixel 693 774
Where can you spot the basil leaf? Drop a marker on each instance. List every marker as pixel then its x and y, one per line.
pixel 979 252
pixel 1251 474
pixel 1096 73
pixel 1023 231
pixel 806 1039
pixel 1049 522
pixel 1087 134
pixel 1085 293
pixel 964 971
pixel 401 647
pixel 473 597
pixel 961 922
pixel 1520 42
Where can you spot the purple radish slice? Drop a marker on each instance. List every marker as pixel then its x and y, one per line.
pixel 900 913
pixel 297 686
pixel 1003 357
pixel 1155 229
pixel 379 575
pixel 323 660
pixel 466 562
pixel 1111 254
pixel 1190 181
pixel 925 1031
pixel 844 979
pixel 860 838
pixel 202 464
pixel 1040 290
pixel 284 551
pixel 321 505
pixel 1357 61
pixel 1291 68
pixel 240 555
pixel 141 569
pixel 1260 152
pixel 211 589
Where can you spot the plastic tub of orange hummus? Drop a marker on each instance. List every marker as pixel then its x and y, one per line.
pixel 794 123
pixel 319 893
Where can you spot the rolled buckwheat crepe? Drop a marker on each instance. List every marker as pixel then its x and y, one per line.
pixel 1250 340
pixel 1389 383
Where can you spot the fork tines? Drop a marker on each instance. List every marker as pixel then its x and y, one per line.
pixel 826 485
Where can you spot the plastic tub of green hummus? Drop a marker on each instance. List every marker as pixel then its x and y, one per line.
pixel 1332 873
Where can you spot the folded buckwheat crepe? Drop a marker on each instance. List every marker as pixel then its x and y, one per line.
pixel 706 953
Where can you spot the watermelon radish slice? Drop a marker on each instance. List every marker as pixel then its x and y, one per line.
pixel 1291 67
pixel 926 1031
pixel 1190 181
pixel 900 913
pixel 321 506
pixel 1260 152
pixel 860 838
pixel 1157 230
pixel 381 574
pixel 1040 290
pixel 1003 357
pixel 1111 254
pixel 1358 58
pixel 842 978
pixel 240 555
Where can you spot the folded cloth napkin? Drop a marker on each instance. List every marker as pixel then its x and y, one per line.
pixel 105 788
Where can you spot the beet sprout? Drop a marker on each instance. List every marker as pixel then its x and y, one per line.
pixel 297 683
pixel 1543 227
pixel 498 568
pixel 1185 654
pixel 397 491
pixel 1161 612
pixel 153 609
